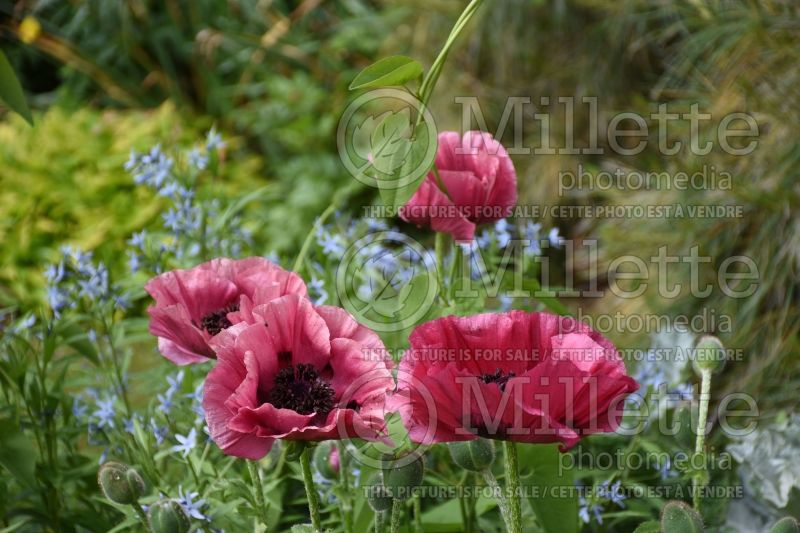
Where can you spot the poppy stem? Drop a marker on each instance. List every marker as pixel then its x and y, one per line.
pixel 258 491
pixel 396 508
pixel 512 487
pixel 311 491
pixel 700 478
pixel 502 502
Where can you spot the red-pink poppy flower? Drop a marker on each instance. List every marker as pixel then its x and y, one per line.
pixel 300 372
pixel 194 305
pixel 479 178
pixel 528 377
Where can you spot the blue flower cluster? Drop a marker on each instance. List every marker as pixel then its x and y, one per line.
pixel 75 278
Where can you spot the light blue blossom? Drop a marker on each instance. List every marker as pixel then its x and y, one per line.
pixel 159 432
pixel 555 239
pixel 586 508
pixel 187 443
pixel 317 287
pixel 331 245
pixel 197 159
pixel 214 140
pixel 79 409
pixel 105 412
pixel 501 229
pixel 192 507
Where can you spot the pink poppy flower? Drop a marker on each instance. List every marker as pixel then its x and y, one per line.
pixel 194 305
pixel 527 377
pixel 479 178
pixel 300 372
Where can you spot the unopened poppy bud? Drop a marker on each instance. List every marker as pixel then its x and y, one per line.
pixel 709 354
pixel 785 525
pixel 401 475
pixel 378 496
pixel 168 516
pixel 678 517
pixel 474 455
pixel 326 460
pixel 120 483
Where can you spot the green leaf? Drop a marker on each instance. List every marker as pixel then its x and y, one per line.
pixel 390 141
pixel 387 72
pixel 392 195
pixel 17 453
pixel 11 91
pixel 551 497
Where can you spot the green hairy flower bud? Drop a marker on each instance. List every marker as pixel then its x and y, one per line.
pixel 709 354
pixel 785 525
pixel 120 483
pixel 401 475
pixel 167 516
pixel 678 517
pixel 378 496
pixel 474 455
pixel 326 460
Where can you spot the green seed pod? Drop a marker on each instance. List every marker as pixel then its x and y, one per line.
pixel 474 455
pixel 685 436
pixel 326 460
pixel 401 475
pixel 378 496
pixel 785 525
pixel 709 354
pixel 678 517
pixel 168 516
pixel 120 483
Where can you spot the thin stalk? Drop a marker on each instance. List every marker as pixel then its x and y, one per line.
pixel 705 396
pixel 417 514
pixel 512 484
pixel 258 491
pixel 301 257
pixel 396 508
pixel 311 491
pixel 344 480
pixel 142 516
pixel 498 491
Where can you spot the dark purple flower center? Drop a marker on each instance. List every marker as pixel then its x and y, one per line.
pixel 301 388
pixel 216 321
pixel 498 377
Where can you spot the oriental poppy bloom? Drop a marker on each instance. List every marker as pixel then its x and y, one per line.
pixel 194 305
pixel 527 377
pixel 480 186
pixel 298 372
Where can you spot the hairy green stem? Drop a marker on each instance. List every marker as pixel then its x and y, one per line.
pixel 396 508
pixel 311 491
pixel 417 514
pixel 440 245
pixel 498 491
pixel 258 491
pixel 512 484
pixel 698 480
pixel 142 516
pixel 344 480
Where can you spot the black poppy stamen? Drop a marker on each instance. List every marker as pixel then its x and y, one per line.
pixel 301 388
pixel 498 377
pixel 216 321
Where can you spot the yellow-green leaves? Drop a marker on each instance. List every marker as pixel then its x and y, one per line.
pixel 11 91
pixel 388 72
